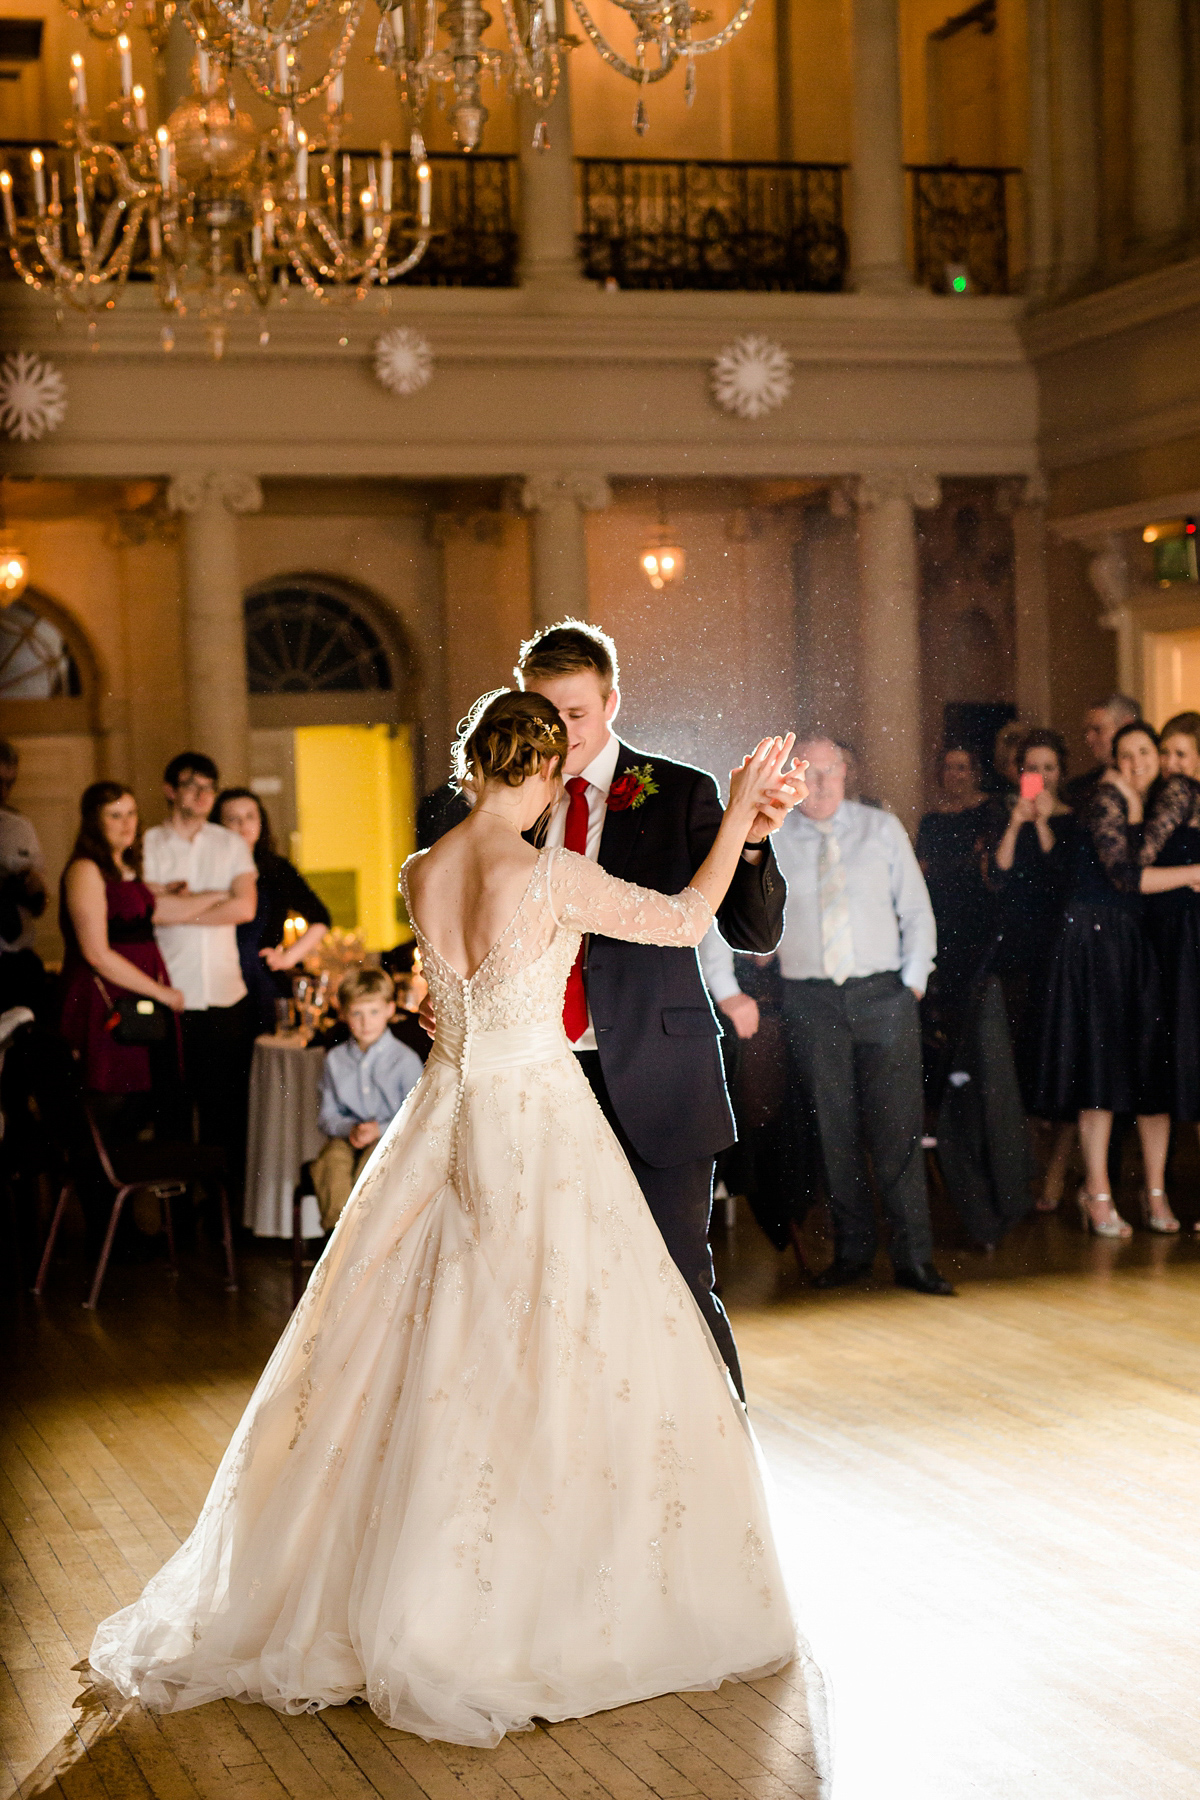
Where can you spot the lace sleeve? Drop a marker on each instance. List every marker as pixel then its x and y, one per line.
pixel 584 897
pixel 1108 824
pixel 1172 808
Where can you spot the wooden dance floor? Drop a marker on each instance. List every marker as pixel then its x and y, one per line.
pixel 989 1509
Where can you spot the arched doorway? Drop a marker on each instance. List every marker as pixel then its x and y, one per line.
pixel 332 704
pixel 49 685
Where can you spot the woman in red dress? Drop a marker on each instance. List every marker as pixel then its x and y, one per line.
pixel 108 913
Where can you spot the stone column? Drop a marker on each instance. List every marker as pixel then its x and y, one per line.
pixel 560 573
pixel 1025 502
pixel 213 630
pixel 890 657
pixel 1156 105
pixel 1039 182
pixel 878 255
pixel 1077 186
pixel 549 253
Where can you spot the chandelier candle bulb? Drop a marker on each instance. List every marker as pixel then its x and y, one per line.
pixel 164 158
pixel 335 94
pixel 155 236
pixel 203 71
pixel 37 162
pixel 385 156
pixel 281 69
pixel 301 165
pixel 141 123
pixel 126 66
pixel 10 218
pixel 256 242
pixel 424 194
pixel 78 83
pixel 550 14
pixel 81 218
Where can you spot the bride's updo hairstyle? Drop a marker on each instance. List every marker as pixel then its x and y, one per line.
pixel 507 736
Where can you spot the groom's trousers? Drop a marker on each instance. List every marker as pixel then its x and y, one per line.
pixel 680 1200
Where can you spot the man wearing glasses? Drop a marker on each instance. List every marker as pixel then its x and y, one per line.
pixel 188 853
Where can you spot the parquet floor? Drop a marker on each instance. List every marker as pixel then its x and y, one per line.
pixel 989 1507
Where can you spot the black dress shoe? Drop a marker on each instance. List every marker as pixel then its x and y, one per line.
pixel 923 1279
pixel 840 1274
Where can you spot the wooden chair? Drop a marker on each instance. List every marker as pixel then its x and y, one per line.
pixel 167 1171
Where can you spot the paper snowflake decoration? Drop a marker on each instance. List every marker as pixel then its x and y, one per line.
pixel 751 377
pixel 404 361
pixel 33 396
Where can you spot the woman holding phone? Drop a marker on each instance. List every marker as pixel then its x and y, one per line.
pixel 1103 1042
pixel 1029 871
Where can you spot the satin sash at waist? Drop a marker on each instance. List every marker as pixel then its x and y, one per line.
pixel 509 1047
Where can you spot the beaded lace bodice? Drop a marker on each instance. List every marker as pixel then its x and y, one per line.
pixel 522 978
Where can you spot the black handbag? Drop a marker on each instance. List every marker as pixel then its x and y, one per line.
pixel 133 1019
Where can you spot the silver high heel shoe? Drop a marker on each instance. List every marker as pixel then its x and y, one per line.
pixel 1116 1227
pixel 1168 1225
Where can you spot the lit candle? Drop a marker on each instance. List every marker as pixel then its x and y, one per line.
pixel 333 98
pixel 78 83
pixel 202 70
pixel 155 236
pixel 397 18
pixel 139 110
pixel 282 81
pixel 302 165
pixel 385 155
pixel 126 66
pixel 10 217
pixel 164 158
pixel 81 218
pixel 37 163
pixel 256 242
pixel 424 192
pixel 550 14
pixel 269 221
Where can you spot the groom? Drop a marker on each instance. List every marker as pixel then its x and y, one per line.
pixel 638 1015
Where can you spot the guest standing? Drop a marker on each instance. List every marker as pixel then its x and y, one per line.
pixel 952 844
pixel 1030 872
pixel 107 913
pixel 1172 841
pixel 1180 745
pixel 22 897
pixel 202 957
pixel 1102 1049
pixel 857 947
pixel 1101 722
pixel 283 893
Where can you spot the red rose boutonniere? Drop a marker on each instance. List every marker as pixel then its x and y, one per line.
pixel 630 789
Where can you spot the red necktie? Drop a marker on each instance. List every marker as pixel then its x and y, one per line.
pixel 575 1012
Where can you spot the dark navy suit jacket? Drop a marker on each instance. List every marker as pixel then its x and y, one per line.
pixel 656 1031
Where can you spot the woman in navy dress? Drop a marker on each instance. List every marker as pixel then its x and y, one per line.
pixel 1029 872
pixel 1103 1046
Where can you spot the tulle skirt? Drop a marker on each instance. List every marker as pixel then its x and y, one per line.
pixel 1102 1040
pixel 494 1470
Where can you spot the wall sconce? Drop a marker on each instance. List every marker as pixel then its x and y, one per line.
pixel 662 563
pixel 14 574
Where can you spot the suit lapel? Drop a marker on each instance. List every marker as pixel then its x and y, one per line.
pixel 621 829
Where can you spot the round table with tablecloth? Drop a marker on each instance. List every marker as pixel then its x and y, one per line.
pixel 285 1081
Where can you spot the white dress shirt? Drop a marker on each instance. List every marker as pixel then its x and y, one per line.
pixel 891 919
pixel 202 960
pixel 20 854
pixel 599 777
pixel 717 965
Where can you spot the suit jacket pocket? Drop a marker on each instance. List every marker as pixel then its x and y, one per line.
pixel 689 1021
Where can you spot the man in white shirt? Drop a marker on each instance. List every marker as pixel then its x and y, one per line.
pixel 202 960
pixel 858 945
pixel 22 896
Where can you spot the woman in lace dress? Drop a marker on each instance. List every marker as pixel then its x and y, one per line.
pixel 1102 1048
pixel 494 1470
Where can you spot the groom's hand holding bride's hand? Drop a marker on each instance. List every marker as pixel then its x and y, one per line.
pixel 787 790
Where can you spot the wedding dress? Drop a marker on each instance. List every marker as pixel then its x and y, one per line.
pixel 494 1469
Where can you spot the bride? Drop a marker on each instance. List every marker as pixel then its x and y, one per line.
pixel 494 1470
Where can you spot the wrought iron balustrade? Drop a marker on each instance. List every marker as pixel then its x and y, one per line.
pixel 474 207
pixel 734 225
pixel 961 217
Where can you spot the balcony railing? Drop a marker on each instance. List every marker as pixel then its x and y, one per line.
pixel 474 209
pixel 733 225
pixel 961 219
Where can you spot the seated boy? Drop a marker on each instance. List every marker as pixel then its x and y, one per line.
pixel 363 1086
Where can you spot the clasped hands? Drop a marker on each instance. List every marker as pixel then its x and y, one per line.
pixel 787 788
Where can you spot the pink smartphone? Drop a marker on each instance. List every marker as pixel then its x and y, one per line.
pixel 1031 786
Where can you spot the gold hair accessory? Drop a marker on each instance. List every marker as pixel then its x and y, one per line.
pixel 546 730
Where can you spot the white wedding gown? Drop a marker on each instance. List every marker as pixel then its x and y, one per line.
pixel 494 1469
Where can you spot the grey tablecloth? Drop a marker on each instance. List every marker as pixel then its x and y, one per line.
pixel 284 1078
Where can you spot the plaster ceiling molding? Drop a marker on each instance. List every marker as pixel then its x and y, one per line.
pixel 404 361
pixel 33 396
pixel 751 377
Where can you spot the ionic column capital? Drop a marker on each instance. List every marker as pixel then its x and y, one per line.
pixel 590 492
pixel 916 486
pixel 236 491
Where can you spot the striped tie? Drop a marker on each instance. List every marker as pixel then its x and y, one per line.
pixel 837 943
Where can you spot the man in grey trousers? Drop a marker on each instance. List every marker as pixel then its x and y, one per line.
pixel 858 945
